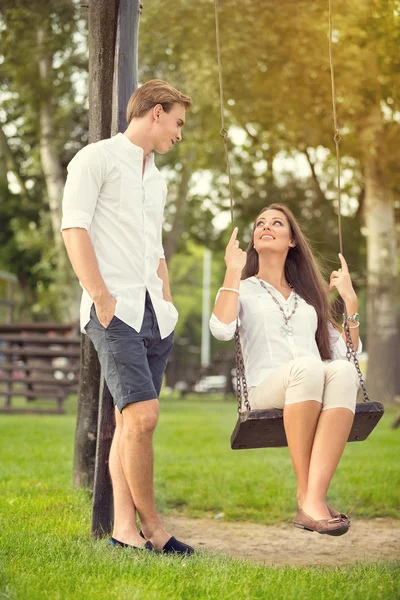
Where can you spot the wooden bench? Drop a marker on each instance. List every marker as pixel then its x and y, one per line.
pixel 38 361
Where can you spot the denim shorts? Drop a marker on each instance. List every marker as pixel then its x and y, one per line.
pixel 133 363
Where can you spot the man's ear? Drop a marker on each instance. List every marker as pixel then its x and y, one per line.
pixel 157 110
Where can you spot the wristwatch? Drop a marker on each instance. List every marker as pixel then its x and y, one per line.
pixel 353 318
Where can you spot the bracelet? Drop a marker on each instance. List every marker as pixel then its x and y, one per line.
pixel 224 289
pixel 354 326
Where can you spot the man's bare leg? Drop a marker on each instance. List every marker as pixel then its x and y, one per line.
pixel 125 528
pixel 139 421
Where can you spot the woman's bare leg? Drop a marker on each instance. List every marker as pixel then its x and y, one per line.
pixel 334 425
pixel 300 421
pixel 330 439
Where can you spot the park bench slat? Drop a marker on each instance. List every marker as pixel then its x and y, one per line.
pixel 39 339
pixel 37 395
pixel 40 352
pixel 38 380
pixel 32 411
pixel 36 327
pixel 38 368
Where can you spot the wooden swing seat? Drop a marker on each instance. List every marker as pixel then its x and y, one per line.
pixel 264 428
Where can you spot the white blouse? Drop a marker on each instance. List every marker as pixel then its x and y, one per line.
pixel 264 347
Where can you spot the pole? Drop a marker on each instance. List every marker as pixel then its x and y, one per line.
pixel 205 330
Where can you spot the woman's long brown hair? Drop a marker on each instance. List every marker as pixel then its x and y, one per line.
pixel 302 273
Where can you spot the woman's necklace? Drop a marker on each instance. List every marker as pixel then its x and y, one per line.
pixel 286 329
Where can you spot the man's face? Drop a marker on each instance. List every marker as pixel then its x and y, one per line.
pixel 168 127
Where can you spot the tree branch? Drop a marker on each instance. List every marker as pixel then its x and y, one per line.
pixel 314 175
pixel 12 164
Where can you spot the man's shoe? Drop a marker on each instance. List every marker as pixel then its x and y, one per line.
pixel 174 546
pixel 148 547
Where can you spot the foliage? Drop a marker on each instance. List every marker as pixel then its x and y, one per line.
pixel 27 247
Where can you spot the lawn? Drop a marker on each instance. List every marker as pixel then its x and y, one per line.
pixel 46 551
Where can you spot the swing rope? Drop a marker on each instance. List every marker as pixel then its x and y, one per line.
pixel 350 351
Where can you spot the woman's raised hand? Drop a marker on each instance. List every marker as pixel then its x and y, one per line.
pixel 235 258
pixel 341 280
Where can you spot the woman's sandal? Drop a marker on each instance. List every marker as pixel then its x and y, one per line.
pixel 335 526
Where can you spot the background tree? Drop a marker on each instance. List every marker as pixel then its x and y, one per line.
pixel 45 122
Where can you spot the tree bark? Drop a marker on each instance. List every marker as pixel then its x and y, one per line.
pixel 10 164
pixel 102 33
pixel 49 156
pixel 87 416
pixel 123 84
pixel 382 330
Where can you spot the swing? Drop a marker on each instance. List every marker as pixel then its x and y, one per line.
pixel 264 428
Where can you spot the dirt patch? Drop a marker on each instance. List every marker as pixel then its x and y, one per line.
pixel 285 545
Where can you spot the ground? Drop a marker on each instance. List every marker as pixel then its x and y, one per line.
pixel 370 540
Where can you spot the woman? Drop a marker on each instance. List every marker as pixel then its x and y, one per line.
pixel 288 334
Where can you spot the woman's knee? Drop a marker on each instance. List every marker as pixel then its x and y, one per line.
pixel 341 370
pixel 341 385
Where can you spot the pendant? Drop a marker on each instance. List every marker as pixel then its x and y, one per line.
pixel 286 330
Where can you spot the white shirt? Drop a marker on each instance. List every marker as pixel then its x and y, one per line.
pixel 122 211
pixel 264 348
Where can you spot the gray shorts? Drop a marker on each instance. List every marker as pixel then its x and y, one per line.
pixel 133 363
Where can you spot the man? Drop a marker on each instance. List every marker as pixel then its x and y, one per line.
pixel 113 208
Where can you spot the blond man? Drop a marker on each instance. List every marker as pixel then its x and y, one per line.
pixel 113 208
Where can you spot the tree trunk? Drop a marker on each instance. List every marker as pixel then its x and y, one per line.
pixel 49 156
pixel 54 177
pixel 3 162
pixel 124 83
pixel 10 164
pixel 381 265
pixel 87 416
pixel 102 28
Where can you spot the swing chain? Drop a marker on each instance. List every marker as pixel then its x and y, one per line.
pixel 352 354
pixel 240 375
pixel 350 351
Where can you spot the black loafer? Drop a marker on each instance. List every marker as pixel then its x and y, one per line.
pixel 174 546
pixel 148 547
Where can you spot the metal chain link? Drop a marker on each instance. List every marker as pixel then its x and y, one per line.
pixel 240 375
pixel 352 354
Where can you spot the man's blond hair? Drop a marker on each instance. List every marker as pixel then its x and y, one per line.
pixel 151 93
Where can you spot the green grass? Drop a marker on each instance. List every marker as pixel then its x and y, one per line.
pixel 198 473
pixel 46 551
